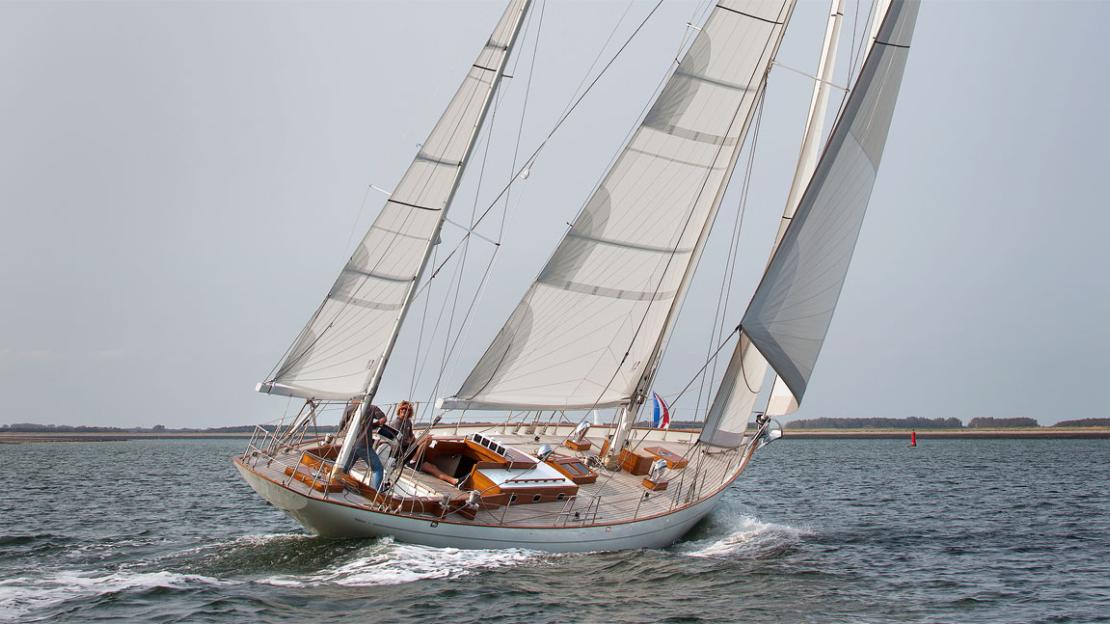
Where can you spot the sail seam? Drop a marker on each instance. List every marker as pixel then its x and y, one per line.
pixel 674 160
pixel 738 12
pixel 397 201
pixel 439 161
pixel 399 233
pixel 893 45
pixel 692 135
pixel 627 245
pixel 613 293
pixel 366 304
pixel 713 81
pixel 384 278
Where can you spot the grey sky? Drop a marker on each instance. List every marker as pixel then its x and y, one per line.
pixel 180 183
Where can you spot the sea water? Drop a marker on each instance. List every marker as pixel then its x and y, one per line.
pixel 815 531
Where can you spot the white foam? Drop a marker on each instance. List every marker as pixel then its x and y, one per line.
pixel 389 563
pixel 243 540
pixel 21 595
pixel 746 537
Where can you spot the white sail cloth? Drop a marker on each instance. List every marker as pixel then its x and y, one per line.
pixel 336 354
pixel 792 308
pixel 587 329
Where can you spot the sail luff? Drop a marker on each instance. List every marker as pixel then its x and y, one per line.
pixel 343 350
pixel 740 399
pixel 372 386
pixel 498 74
pixel 615 276
pixel 807 163
pixel 629 415
pixel 791 309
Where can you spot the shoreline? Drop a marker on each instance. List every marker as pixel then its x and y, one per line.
pixel 33 437
pixel 1048 433
pixel 1054 433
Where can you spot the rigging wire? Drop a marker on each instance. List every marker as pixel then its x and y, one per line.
pixel 653 366
pixel 628 136
pixel 288 359
pixel 671 255
pixel 575 102
pixel 420 334
pixel 480 290
pixel 727 276
pixel 500 95
pixel 811 76
pixel 558 124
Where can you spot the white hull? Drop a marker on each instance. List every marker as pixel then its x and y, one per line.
pixel 335 519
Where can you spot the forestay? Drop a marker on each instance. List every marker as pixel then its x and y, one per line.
pixel 589 326
pixel 792 308
pixel 352 331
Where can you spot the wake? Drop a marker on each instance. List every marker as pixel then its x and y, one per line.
pixel 744 537
pixel 390 563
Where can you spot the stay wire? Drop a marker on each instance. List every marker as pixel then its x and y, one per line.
pixel 727 276
pixel 480 290
pixel 558 124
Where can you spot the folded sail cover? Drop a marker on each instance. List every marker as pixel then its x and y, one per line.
pixel 791 309
pixel 607 290
pixel 335 355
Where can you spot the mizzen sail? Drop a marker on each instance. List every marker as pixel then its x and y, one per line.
pixel 342 349
pixel 792 307
pixel 588 327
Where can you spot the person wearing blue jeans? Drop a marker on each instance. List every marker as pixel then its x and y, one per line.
pixel 364 444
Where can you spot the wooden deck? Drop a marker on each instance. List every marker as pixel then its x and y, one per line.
pixel 616 496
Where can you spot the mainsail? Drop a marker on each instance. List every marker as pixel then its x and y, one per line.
pixel 341 352
pixel 590 326
pixel 792 307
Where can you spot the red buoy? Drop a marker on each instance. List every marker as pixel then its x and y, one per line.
pixel 913 438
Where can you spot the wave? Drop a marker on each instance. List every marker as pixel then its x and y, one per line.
pixel 390 563
pixel 745 537
pixel 22 594
pixel 24 538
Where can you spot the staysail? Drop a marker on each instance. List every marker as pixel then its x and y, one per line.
pixel 589 326
pixel 792 308
pixel 341 352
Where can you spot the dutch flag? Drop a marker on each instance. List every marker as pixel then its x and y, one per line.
pixel 660 415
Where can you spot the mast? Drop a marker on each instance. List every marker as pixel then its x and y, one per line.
pixel 807 161
pixel 628 413
pixel 815 121
pixel 586 334
pixel 492 47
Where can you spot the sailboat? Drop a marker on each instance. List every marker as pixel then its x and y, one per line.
pixel 590 331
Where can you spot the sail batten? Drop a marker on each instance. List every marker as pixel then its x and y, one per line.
pixel 588 329
pixel 790 312
pixel 339 353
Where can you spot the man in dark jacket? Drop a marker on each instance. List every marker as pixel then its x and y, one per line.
pixel 363 446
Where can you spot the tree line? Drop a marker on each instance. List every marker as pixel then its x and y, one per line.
pixel 912 422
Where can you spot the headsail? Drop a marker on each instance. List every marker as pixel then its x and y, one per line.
pixel 344 344
pixel 589 326
pixel 792 308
